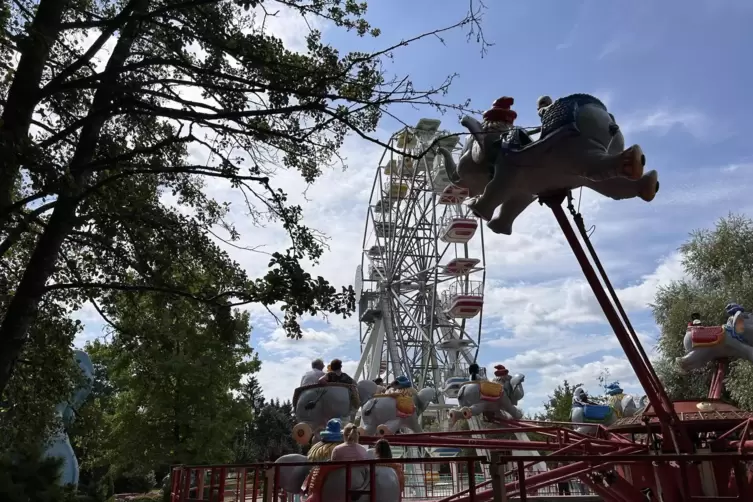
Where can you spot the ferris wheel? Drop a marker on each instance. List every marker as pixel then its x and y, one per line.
pixel 420 284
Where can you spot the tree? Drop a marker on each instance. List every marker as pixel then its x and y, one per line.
pixel 267 434
pixel 719 267
pixel 557 407
pixel 192 91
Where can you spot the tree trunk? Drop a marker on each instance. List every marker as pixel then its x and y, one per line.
pixel 23 94
pixel 23 307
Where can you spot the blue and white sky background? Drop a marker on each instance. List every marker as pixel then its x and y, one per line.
pixel 676 75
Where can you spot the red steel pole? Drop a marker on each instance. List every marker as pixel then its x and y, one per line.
pixel 662 407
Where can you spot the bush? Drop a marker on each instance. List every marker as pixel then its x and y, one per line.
pixel 134 482
pixel 28 477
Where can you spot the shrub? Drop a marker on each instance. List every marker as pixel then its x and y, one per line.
pixel 28 476
pixel 134 482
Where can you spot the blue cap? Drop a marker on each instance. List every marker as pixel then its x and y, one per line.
pixel 333 433
pixel 733 308
pixel 403 381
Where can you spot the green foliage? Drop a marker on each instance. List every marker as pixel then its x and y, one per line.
pixel 719 266
pixel 112 183
pixel 557 407
pixel 46 375
pixel 168 397
pixel 26 477
pixel 134 482
pixel 266 436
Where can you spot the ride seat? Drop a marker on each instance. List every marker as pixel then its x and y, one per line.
pixel 706 336
pixel 596 413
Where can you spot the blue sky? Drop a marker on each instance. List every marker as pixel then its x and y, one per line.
pixel 674 75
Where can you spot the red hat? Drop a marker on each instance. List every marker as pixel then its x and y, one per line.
pixel 501 112
pixel 500 371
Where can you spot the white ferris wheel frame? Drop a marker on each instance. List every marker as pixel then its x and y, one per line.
pixel 402 266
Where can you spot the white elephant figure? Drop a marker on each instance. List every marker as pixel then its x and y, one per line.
pixel 386 414
pixel 482 396
pixel 704 344
pixel 580 144
pixel 327 483
pixel 316 404
pixel 58 444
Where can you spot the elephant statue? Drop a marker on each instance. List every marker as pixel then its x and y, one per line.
pixel 386 414
pixel 58 444
pixel 492 398
pixel 316 404
pixel 704 344
pixel 327 483
pixel 580 144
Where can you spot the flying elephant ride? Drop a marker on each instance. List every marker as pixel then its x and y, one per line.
pixel 398 408
pixel 704 344
pixel 619 405
pixel 490 398
pixel 504 170
pixel 315 404
pixel 327 483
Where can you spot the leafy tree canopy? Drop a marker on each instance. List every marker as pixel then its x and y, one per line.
pixel 719 268
pixel 105 168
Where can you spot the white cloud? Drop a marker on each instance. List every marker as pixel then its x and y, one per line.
pixel 662 120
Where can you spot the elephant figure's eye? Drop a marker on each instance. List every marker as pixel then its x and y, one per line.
pixel 310 405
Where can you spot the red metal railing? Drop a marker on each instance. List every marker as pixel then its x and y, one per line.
pixel 261 482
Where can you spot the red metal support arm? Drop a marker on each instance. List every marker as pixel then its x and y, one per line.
pixel 656 395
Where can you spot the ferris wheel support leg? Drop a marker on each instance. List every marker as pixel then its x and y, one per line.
pixel 666 416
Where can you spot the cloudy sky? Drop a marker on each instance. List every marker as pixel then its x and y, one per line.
pixel 669 71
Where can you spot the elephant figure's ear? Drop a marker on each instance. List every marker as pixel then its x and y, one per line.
pixel 369 406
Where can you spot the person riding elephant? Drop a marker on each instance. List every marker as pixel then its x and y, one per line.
pixel 492 399
pixel 704 344
pixel 624 405
pixel 505 170
pixel 474 371
pixel 399 408
pixel 327 483
pixel 584 410
pixel 315 404
pixel 335 374
pixel 316 372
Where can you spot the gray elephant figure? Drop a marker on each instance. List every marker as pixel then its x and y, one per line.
pixel 484 397
pixel 316 404
pixel 386 414
pixel 580 145
pixel 327 483
pixel 704 344
pixel 58 444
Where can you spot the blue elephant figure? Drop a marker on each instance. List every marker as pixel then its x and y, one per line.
pixel 58 444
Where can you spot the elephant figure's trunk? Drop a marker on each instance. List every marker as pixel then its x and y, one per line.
pixel 475 127
pixel 449 166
